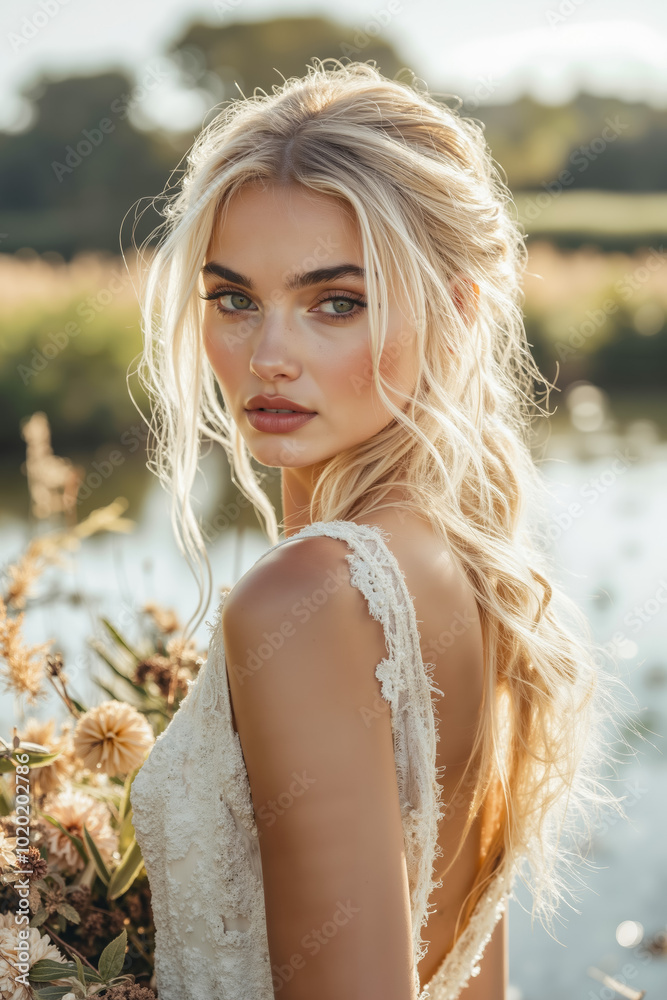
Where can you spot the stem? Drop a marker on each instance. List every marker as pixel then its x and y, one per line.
pixel 69 947
pixel 65 697
pixel 73 709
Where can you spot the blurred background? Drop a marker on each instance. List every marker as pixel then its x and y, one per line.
pixel 99 105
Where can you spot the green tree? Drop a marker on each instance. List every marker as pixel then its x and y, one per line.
pixel 258 54
pixel 67 182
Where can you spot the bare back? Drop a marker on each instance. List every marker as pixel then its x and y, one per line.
pixel 453 642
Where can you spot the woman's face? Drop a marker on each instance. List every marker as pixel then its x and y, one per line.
pixel 280 327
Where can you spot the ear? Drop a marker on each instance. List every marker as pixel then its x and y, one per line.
pixel 465 293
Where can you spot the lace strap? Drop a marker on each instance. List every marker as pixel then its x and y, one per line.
pixel 407 685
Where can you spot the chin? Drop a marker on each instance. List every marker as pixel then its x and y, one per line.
pixel 281 454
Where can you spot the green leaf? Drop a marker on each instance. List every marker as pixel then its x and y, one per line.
pixel 125 801
pixel 51 992
pixel 101 651
pixel 67 911
pixel 113 957
pixel 95 856
pixel 135 688
pixel 39 917
pixel 79 970
pixel 46 970
pixel 156 710
pixel 8 763
pixel 114 694
pixel 6 805
pixel 146 702
pixel 75 840
pixel 57 877
pixel 128 869
pixel 118 638
pixel 126 832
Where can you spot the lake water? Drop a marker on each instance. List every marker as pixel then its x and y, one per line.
pixel 607 530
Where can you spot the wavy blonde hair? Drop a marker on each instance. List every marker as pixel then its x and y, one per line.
pixel 431 207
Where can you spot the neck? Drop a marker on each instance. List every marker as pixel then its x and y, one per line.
pixel 297 489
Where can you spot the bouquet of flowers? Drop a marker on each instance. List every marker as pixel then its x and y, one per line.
pixel 75 906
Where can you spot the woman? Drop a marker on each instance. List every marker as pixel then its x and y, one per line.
pixel 302 833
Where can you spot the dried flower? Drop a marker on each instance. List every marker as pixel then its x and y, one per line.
pixel 53 481
pixel 129 991
pixel 80 897
pixel 73 808
pixel 8 824
pixel 160 668
pixel 184 653
pixel 7 851
pixel 21 576
pixel 49 548
pixel 165 618
pixel 53 896
pixel 24 665
pixel 51 776
pixel 38 946
pixel 33 863
pixel 113 737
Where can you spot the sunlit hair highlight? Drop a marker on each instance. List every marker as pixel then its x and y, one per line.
pixel 436 220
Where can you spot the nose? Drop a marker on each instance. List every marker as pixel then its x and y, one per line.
pixel 272 349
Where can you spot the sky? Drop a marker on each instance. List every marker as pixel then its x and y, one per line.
pixel 484 49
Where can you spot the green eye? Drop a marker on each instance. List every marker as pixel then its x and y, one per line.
pixel 357 304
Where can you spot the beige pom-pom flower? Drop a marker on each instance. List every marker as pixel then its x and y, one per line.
pixel 37 946
pixel 73 808
pixel 112 737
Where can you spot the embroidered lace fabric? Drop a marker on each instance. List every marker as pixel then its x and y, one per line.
pixel 195 825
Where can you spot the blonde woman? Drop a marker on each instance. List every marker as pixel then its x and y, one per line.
pixel 396 711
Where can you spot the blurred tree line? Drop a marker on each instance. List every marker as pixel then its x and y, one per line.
pixel 67 182
pixel 91 162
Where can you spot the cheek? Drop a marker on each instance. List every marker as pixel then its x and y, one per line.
pixel 399 363
pixel 221 359
pixel 348 375
pixel 212 346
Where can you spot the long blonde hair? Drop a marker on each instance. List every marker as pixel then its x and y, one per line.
pixel 431 207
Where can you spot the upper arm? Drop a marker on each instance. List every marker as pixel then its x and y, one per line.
pixel 301 650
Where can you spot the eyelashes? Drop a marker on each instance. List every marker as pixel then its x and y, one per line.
pixel 219 293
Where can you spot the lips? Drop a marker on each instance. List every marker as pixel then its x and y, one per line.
pixel 277 423
pixel 263 402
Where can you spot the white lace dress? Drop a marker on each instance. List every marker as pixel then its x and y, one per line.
pixel 194 820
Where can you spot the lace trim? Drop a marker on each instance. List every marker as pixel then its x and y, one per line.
pixel 462 962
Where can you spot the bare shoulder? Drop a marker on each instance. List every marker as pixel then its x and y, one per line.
pixel 303 574
pixel 297 614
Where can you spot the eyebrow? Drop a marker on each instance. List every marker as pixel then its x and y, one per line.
pixel 295 281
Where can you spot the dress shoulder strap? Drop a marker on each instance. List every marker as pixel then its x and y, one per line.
pixel 407 685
